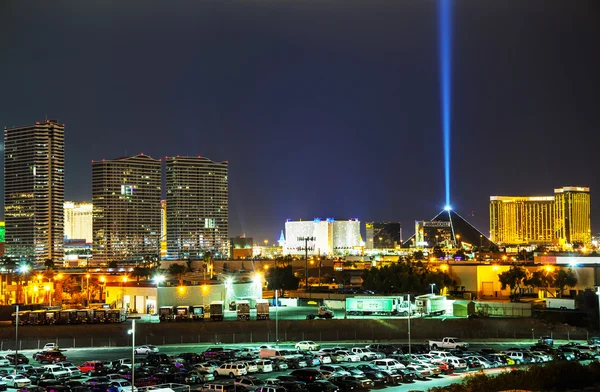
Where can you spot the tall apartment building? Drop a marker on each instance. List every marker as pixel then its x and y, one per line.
pixel 522 219
pixel 78 221
pixel 34 191
pixel 197 207
pixel 126 194
pixel 572 214
pixel 560 219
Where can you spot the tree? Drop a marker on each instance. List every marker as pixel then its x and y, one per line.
pixel 515 279
pixel 282 278
pixel 189 265
pixel 49 263
pixel 540 279
pixel 563 279
pixel 177 270
pixel 438 252
pixel 141 272
pixel 404 277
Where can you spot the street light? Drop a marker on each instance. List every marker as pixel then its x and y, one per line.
pixel 432 286
pixel 103 293
pixel 132 333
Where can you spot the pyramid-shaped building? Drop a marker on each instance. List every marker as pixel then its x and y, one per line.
pixel 448 226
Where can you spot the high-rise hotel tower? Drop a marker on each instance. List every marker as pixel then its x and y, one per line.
pixel 126 194
pixel 560 219
pixel 34 191
pixel 197 207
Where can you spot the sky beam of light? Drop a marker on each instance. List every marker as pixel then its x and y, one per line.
pixel 445 58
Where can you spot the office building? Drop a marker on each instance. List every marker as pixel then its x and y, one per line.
pixel 126 194
pixel 522 220
pixel 197 207
pixel 572 214
pixel 78 221
pixel 34 191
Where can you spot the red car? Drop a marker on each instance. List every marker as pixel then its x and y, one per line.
pixel 445 367
pixel 49 356
pixel 91 366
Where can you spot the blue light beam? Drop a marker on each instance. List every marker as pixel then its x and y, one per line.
pixel 445 48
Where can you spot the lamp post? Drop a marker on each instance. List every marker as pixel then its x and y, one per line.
pixel 16 337
pixel 306 239
pixel 432 286
pixel 132 333
pixel 157 280
pixel 409 312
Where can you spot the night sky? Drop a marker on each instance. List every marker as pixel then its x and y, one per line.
pixel 322 108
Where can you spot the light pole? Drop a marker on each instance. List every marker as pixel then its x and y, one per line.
pixel 432 286
pixel 157 280
pixel 132 333
pixel 306 239
pixel 16 337
pixel 103 293
pixel 409 312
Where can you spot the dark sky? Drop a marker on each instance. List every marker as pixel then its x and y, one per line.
pixel 322 108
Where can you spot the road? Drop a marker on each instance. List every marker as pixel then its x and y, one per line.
pixel 79 355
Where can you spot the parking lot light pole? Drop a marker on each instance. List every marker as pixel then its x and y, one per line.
pixel 306 239
pixel 132 332
pixel 16 337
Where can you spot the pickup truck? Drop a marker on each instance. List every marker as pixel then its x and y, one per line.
pixel 49 356
pixel 448 343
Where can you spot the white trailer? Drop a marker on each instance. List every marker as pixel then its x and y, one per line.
pixel 560 303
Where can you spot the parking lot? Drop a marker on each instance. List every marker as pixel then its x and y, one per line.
pixel 311 366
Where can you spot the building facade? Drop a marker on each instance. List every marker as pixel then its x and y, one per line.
pixel 78 221
pixel 522 220
pixel 327 237
pixel 562 219
pixel 126 195
pixel 34 191
pixel 197 207
pixel 430 234
pixel 572 214
pixel 383 235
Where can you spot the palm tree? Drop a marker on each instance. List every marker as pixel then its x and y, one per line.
pixel 49 263
pixel 177 270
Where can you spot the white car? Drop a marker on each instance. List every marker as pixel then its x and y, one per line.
pixel 207 367
pixel 50 347
pixel 231 370
pixel 71 368
pixel 345 356
pixel 4 361
pixel 146 349
pixel 388 364
pixel 123 385
pixel 16 381
pixel 364 353
pixel 307 345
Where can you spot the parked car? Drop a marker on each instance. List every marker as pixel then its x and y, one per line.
pixel 146 349
pixel 231 370
pixel 16 381
pixel 89 367
pixel 20 359
pixel 199 377
pixel 322 386
pixel 264 365
pixel 49 356
pixel 307 345
pixel 307 375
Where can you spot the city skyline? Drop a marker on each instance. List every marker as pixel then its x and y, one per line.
pixel 341 119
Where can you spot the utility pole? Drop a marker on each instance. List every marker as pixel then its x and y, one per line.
pixel 306 239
